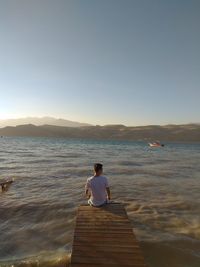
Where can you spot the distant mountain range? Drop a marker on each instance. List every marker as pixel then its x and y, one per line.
pixel 41 121
pixel 180 133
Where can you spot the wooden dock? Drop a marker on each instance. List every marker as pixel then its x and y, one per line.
pixel 104 237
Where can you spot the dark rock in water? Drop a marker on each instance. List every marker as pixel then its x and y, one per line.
pixel 5 185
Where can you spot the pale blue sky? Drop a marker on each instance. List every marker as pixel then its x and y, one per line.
pixel 134 62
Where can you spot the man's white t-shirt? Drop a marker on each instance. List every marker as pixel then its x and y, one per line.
pixel 97 187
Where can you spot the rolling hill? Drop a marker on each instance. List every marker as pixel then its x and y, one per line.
pixel 182 133
pixel 41 121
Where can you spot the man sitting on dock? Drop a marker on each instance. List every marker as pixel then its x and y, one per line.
pixel 97 189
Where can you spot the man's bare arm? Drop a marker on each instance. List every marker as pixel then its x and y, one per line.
pixel 87 193
pixel 108 192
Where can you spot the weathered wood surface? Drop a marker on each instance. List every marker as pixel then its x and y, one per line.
pixel 104 237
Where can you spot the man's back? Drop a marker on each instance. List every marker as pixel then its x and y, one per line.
pixel 97 186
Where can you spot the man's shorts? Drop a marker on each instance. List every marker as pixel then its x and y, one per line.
pixel 91 204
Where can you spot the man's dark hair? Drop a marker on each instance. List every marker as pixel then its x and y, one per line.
pixel 98 167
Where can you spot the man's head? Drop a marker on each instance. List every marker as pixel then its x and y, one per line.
pixel 98 168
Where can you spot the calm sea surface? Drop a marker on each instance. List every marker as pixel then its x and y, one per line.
pixel 160 188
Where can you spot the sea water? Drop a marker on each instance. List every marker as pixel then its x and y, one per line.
pixel 160 188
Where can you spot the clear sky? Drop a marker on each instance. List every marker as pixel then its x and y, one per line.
pixel 133 62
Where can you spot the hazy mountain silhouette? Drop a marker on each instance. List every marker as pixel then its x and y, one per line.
pixel 41 121
pixel 184 133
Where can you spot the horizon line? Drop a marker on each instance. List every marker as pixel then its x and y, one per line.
pixel 89 124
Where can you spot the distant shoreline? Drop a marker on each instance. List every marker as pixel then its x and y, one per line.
pixel 188 133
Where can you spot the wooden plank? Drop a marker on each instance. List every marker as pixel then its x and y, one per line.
pixel 102 231
pixel 101 216
pixel 104 223
pixel 103 243
pixel 113 259
pixel 102 219
pixel 105 265
pixel 101 249
pixel 104 237
pixel 106 254
pixel 89 226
